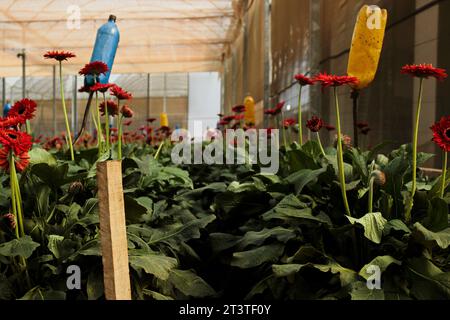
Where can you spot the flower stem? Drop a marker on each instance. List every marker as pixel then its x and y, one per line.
pixel 100 131
pixel 159 149
pixel 66 118
pixel 370 204
pixel 444 174
pixel 119 137
pixel 415 142
pixel 15 195
pixel 300 129
pixel 108 146
pixel 340 155
pixel 284 130
pixel 320 144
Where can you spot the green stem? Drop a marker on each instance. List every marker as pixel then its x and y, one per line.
pixel 444 174
pixel 415 143
pixel 100 131
pixel 300 118
pixel 66 118
pixel 340 155
pixel 108 143
pixel 119 137
pixel 13 197
pixel 284 130
pixel 320 144
pixel 159 149
pixel 28 127
pixel 16 198
pixel 371 184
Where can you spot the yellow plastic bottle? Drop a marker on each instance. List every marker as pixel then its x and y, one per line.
pixel 250 117
pixel 164 119
pixel 367 44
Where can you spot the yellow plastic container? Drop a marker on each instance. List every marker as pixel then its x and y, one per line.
pixel 164 119
pixel 367 44
pixel 250 117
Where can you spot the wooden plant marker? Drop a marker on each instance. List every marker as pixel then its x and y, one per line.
pixel 113 233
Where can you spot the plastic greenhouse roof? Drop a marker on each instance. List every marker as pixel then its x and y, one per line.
pixel 156 35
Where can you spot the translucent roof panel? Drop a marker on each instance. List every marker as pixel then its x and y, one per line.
pixel 156 35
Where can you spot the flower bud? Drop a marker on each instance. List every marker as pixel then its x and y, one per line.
pixel 380 177
pixel 76 187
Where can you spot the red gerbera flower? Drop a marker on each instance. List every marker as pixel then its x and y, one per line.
pixel 441 133
pixel 127 123
pixel 100 87
pixel 9 121
pixel 59 55
pixel 425 71
pixel 24 108
pixel 329 127
pixel 220 115
pixel 84 89
pixel 289 122
pixel 365 131
pixel 315 124
pixel 238 109
pixel 113 108
pixel 18 141
pixel 94 68
pixel 328 80
pixel 224 123
pixel 239 117
pixel 119 93
pixel 270 112
pixel 279 106
pixel 304 80
pixel 21 159
pixel 127 112
pixel 151 120
pixel 229 118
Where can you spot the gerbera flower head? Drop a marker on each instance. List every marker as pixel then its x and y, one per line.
pixel 279 106
pixel 94 68
pixel 365 131
pixel 151 120
pixel 289 122
pixel 21 160
pixel 113 108
pixel 119 93
pixel 127 112
pixel 24 108
pixel 346 141
pixel 362 125
pixel 238 109
pixel 328 80
pixel 224 123
pixel 10 122
pixel 100 87
pixel 329 127
pixel 304 80
pixel 17 141
pixel 315 124
pixel 441 133
pixel 424 71
pixel 127 123
pixel 59 55
pixel 239 117
pixel 270 112
pixel 229 118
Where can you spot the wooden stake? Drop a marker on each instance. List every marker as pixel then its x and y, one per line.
pixel 113 233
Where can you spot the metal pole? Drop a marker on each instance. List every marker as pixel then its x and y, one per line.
pixel 22 56
pixel 267 57
pixel 3 93
pixel 165 93
pixel 246 57
pixel 148 95
pixel 54 101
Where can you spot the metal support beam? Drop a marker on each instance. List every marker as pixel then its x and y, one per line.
pixel 267 57
pixel 246 54
pixel 148 95
pixel 165 93
pixel 314 58
pixel 3 93
pixel 22 56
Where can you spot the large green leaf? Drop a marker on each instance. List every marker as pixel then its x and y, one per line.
pixel 383 262
pixel 302 178
pixel 373 224
pixel 360 291
pixel 95 288
pixel 38 155
pixel 157 265
pixel 23 247
pixel 427 281
pixel 253 258
pixel 437 217
pixel 442 238
pixel 190 284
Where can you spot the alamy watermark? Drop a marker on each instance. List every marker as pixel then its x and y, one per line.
pixel 233 147
pixel 374 17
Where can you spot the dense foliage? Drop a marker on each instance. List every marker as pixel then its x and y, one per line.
pixel 229 231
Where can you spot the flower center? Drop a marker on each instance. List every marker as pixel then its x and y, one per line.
pixel 447 133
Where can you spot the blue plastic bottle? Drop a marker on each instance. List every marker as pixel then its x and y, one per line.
pixel 105 49
pixel 6 108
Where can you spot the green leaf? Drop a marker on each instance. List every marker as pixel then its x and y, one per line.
pixel 348 169
pixel 156 295
pixel 253 258
pixel 442 238
pixel 360 291
pixel 38 155
pixel 437 217
pixel 373 224
pixel 427 281
pixel 190 284
pixel 23 247
pixel 397 225
pixel 383 262
pixel 258 238
pixel 157 265
pixel 95 288
pixel 302 178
